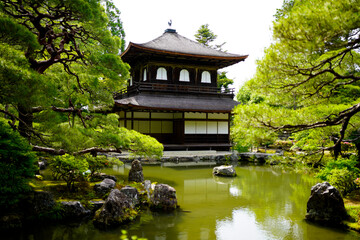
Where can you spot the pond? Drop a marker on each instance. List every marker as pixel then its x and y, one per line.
pixel 260 203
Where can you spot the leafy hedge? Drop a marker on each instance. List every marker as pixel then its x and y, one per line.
pixel 16 165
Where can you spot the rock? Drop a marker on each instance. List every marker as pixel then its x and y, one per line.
pixel 136 172
pixel 104 176
pixel 147 186
pixel 42 202
pixel 115 211
pixel 325 205
pixel 97 205
pixel 104 187
pixel 163 198
pixel 132 193
pixel 74 210
pixel 10 222
pixel 225 171
pixel 42 165
pixel 39 177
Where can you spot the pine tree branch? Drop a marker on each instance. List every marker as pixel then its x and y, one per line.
pixel 97 149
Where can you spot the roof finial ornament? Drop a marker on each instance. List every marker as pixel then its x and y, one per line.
pixel 170 22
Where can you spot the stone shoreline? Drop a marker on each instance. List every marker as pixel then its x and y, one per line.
pixel 198 157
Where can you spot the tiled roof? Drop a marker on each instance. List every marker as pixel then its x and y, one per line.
pixel 178 103
pixel 171 41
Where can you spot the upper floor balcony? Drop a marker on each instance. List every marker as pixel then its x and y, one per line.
pixel 137 88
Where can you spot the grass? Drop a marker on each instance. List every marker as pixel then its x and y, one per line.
pixel 352 205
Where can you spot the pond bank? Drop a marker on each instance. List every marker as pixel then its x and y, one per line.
pixel 251 204
pixel 211 156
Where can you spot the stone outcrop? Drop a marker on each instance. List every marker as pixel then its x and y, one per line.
pixel 325 205
pixel 147 187
pixel 96 205
pixel 225 171
pixel 136 172
pixel 104 176
pixel 73 210
pixel 41 202
pixel 116 210
pixel 104 187
pixel 132 193
pixel 163 198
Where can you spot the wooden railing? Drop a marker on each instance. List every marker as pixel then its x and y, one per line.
pixel 172 88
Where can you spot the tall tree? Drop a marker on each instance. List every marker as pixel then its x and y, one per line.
pixel 310 75
pixel 59 68
pixel 205 36
pixel 223 80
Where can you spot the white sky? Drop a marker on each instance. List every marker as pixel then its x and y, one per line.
pixel 245 25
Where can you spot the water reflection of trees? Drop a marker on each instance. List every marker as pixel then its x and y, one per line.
pixel 270 196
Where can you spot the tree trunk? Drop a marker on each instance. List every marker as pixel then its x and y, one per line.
pixel 337 148
pixel 26 121
pixel 357 145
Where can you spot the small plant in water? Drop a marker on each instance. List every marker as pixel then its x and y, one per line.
pixel 124 236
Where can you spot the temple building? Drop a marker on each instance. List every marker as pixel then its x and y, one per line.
pixel 172 94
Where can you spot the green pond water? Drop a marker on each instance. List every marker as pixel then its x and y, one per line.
pixel 260 203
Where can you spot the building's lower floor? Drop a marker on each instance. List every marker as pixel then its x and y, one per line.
pixel 179 130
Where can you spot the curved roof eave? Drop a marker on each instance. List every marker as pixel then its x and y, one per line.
pixel 139 46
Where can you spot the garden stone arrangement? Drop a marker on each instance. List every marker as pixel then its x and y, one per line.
pixel 224 171
pixel 325 205
pixel 118 204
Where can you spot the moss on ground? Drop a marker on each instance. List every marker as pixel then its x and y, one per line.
pixel 352 205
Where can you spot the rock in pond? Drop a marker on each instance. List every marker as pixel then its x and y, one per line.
pixel 116 210
pixel 325 205
pixel 104 187
pixel 104 176
pixel 39 203
pixel 147 186
pixel 163 198
pixel 96 205
pixel 74 210
pixel 225 171
pixel 132 193
pixel 136 172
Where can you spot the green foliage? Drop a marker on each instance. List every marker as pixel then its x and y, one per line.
pixel 115 24
pixel 73 92
pixel 205 36
pixel 248 132
pixel 13 33
pixel 343 180
pixel 145 146
pixel 309 75
pixel 100 162
pixel 341 173
pixel 16 165
pixel 341 163
pixel 124 236
pixel 70 169
pixel 241 147
pixel 245 96
pixel 223 80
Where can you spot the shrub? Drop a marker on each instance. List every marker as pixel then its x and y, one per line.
pixel 99 162
pixel 16 165
pixel 343 180
pixel 70 169
pixel 341 173
pixel 348 163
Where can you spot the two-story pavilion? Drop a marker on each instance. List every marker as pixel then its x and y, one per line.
pixel 173 95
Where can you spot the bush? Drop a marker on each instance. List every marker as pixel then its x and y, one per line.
pixel 16 165
pixel 70 169
pixel 341 173
pixel 343 180
pixel 99 162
